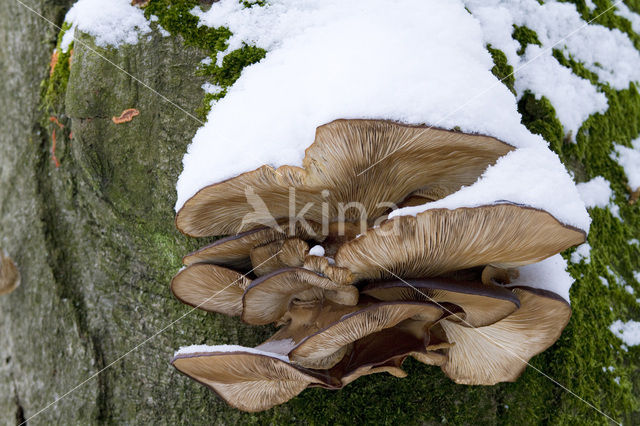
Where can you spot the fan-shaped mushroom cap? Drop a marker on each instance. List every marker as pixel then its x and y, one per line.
pixel 277 255
pixel 440 240
pixel 249 380
pixel 321 265
pixel 9 274
pixel 365 161
pixel 483 304
pixel 210 287
pixel 325 342
pixel 500 352
pixel 268 298
pixel 235 250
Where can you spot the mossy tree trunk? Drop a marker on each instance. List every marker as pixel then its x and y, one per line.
pixel 88 336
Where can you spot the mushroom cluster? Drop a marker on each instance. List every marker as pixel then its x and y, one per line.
pixel 313 250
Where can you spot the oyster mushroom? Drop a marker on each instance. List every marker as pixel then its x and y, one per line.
pixel 267 299
pixel 500 352
pixel 235 250
pixel 438 241
pixel 9 274
pixel 336 171
pixel 249 379
pixel 276 255
pixel 211 288
pixel 482 304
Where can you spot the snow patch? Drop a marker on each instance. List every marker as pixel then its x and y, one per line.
pixel 629 159
pixel 111 23
pixel 595 193
pixel 628 332
pixel 583 252
pixel 316 250
pixel 550 274
pixel 226 348
pixel 624 11
pixel 529 176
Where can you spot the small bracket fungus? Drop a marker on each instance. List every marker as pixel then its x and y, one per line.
pixel 126 116
pixel 9 274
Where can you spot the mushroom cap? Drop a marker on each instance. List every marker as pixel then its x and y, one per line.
pixel 268 298
pixel 235 250
pixel 9 274
pixel 482 304
pixel 440 240
pixel 250 381
pixel 321 265
pixel 500 352
pixel 276 255
pixel 211 288
pixel 364 161
pixel 373 318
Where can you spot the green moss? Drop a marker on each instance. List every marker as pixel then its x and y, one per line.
pixel 540 117
pixel 525 36
pixel 175 17
pixel 501 68
pixel 55 87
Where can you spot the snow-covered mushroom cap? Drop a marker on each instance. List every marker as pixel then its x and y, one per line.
pixel 500 352
pixel 441 240
pixel 211 288
pixel 249 379
pixel 482 304
pixel 9 274
pixel 406 158
pixel 268 298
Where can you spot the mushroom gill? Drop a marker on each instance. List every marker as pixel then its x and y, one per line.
pixel 211 288
pixel 440 240
pixel 500 352
pixel 267 299
pixel 336 171
pixel 250 381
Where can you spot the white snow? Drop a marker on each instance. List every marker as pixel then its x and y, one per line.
pixel 608 53
pixel 604 281
pixel 528 176
pixel 624 11
pixel 550 274
pixel 583 252
pixel 112 22
pixel 634 241
pixel 628 332
pixel 316 250
pixel 595 193
pixel 211 88
pixel 629 159
pixel 226 348
pixel 629 289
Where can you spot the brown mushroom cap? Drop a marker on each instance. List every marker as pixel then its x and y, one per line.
pixel 235 250
pixel 483 304
pixel 440 240
pixel 268 298
pixel 321 265
pixel 250 381
pixel 9 274
pixel 322 344
pixel 210 287
pixel 276 255
pixel 365 161
pixel 500 352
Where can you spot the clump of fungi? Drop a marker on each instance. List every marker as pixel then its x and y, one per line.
pixel 356 293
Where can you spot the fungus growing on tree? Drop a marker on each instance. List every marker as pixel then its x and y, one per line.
pixel 9 274
pixel 351 300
